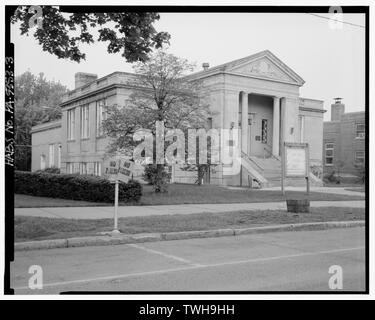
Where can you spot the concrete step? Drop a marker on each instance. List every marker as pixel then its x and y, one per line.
pixel 272 172
pixel 267 164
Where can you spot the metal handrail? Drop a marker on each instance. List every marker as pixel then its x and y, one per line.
pixel 246 156
pixel 271 154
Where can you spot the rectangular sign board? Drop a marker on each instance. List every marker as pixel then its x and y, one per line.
pixel 118 169
pixel 296 159
pixel 111 169
pixel 125 171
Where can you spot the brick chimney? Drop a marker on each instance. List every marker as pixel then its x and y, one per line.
pixel 337 109
pixel 82 78
pixel 205 66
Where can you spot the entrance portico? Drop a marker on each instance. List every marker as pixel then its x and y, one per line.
pixel 259 121
pixel 259 96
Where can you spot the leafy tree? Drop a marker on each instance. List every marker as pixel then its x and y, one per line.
pixel 130 33
pixel 361 168
pixel 36 101
pixel 162 94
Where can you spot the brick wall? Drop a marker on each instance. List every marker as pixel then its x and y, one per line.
pixel 343 135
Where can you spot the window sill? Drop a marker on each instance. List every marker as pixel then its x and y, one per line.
pixel 359 138
pixel 71 140
pixel 85 139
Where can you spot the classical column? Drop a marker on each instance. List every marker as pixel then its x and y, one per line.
pixel 244 121
pixel 276 126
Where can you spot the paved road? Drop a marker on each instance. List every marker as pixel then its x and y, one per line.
pixel 137 211
pixel 275 261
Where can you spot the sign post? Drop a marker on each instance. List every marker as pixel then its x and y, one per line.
pixel 282 170
pixel 295 164
pixel 111 171
pixel 115 227
pixel 117 170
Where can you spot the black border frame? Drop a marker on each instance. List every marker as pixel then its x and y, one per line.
pixel 9 135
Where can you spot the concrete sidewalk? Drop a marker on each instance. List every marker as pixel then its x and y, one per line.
pixel 331 190
pixel 137 211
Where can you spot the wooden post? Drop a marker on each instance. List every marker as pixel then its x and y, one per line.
pixel 283 169
pixel 115 227
pixel 307 169
pixel 307 185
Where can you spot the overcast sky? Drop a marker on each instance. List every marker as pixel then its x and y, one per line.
pixel 331 61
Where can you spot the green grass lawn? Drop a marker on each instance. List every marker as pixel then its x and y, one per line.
pixel 180 194
pixel 36 228
pixel 343 184
pixel 184 194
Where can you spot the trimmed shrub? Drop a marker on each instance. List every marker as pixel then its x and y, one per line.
pixel 50 170
pixel 150 174
pixel 332 178
pixel 74 187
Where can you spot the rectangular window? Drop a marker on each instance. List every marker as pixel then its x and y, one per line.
pixel 51 155
pixel 360 130
pixel 42 162
pixel 359 157
pixel 76 167
pixel 69 167
pixel 240 115
pixel 71 124
pixel 209 123
pixel 101 115
pixel 264 130
pixel 329 152
pixel 59 156
pixel 85 122
pixel 83 168
pixel 97 169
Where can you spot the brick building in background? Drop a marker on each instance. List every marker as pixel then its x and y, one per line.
pixel 344 146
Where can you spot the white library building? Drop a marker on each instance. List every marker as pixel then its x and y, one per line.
pixel 258 94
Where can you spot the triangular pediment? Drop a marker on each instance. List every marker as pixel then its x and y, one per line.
pixel 264 65
pixel 266 68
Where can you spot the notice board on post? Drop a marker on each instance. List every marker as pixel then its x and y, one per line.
pixel 125 172
pixel 295 162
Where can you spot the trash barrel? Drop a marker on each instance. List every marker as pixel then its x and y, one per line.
pixel 298 206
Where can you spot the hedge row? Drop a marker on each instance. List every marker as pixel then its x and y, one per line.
pixel 74 187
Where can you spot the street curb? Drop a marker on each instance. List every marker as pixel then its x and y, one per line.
pixel 167 236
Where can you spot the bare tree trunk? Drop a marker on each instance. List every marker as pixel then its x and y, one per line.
pixel 160 185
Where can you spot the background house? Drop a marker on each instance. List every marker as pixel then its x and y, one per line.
pixel 344 145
